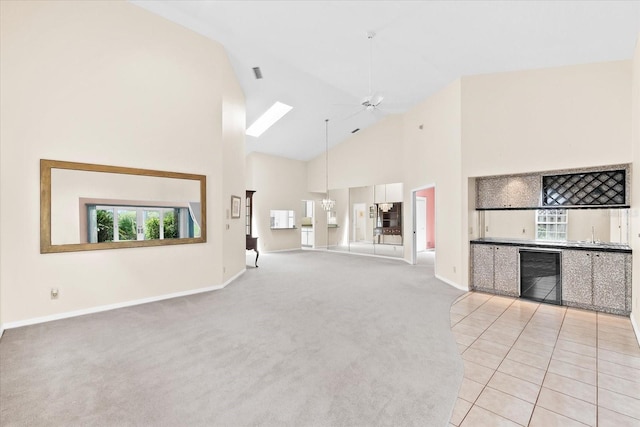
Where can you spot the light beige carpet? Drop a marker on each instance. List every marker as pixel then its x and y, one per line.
pixel 308 339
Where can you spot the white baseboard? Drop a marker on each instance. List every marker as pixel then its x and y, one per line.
pixel 75 313
pixel 371 255
pixel 636 329
pixel 450 283
pixel 281 250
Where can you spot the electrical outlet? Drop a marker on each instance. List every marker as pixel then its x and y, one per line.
pixel 54 293
pixel 454 268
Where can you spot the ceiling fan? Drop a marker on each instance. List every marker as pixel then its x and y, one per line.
pixel 372 101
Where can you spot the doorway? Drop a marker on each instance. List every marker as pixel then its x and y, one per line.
pixel 421 224
pixel 307 233
pixel 359 222
pixel 424 220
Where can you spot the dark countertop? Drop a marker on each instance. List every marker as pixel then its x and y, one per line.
pixel 584 246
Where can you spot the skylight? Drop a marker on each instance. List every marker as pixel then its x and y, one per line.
pixel 266 120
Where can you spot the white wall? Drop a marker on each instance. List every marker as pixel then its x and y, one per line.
pixel 517 122
pixel 547 119
pixel 432 157
pixel 369 157
pixel 582 221
pixel 233 176
pixel 280 184
pixel 555 118
pixel 510 224
pixel 635 189
pixel 110 83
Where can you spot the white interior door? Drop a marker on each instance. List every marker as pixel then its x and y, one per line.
pixel 307 232
pixel 421 223
pixel 359 222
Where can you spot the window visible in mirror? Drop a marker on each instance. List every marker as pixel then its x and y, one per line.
pixel 551 224
pixel 282 219
pixel 67 188
pixel 332 219
pixel 121 223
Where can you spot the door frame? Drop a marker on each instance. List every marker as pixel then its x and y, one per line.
pixel 421 198
pixel 313 222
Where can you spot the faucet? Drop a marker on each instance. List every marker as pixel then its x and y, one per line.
pixel 593 234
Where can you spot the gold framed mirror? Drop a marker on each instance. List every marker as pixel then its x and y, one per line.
pixel 86 207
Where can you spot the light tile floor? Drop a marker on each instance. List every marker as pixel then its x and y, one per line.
pixel 530 364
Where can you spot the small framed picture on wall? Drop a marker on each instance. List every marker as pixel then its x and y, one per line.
pixel 235 207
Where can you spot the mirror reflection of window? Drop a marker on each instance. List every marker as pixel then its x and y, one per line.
pixel 282 219
pixel 116 223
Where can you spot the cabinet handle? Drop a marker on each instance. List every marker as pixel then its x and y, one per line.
pixel 597 255
pixel 588 254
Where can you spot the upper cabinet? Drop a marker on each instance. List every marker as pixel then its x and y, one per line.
pixel 387 193
pixel 508 192
pixel 593 187
pixel 524 191
pixel 598 188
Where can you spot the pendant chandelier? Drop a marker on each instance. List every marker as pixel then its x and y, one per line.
pixel 386 207
pixel 327 203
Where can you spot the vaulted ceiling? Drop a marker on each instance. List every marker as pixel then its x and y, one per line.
pixel 316 56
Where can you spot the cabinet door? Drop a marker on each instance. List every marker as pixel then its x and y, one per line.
pixel 491 193
pixel 524 191
pixel 482 266
pixel 577 283
pixel 609 280
pixel 394 192
pixel 506 269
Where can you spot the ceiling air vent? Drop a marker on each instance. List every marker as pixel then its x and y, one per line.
pixel 257 72
pixel 355 130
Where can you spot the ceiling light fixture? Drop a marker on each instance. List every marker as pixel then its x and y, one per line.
pixel 386 207
pixel 266 120
pixel 327 203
